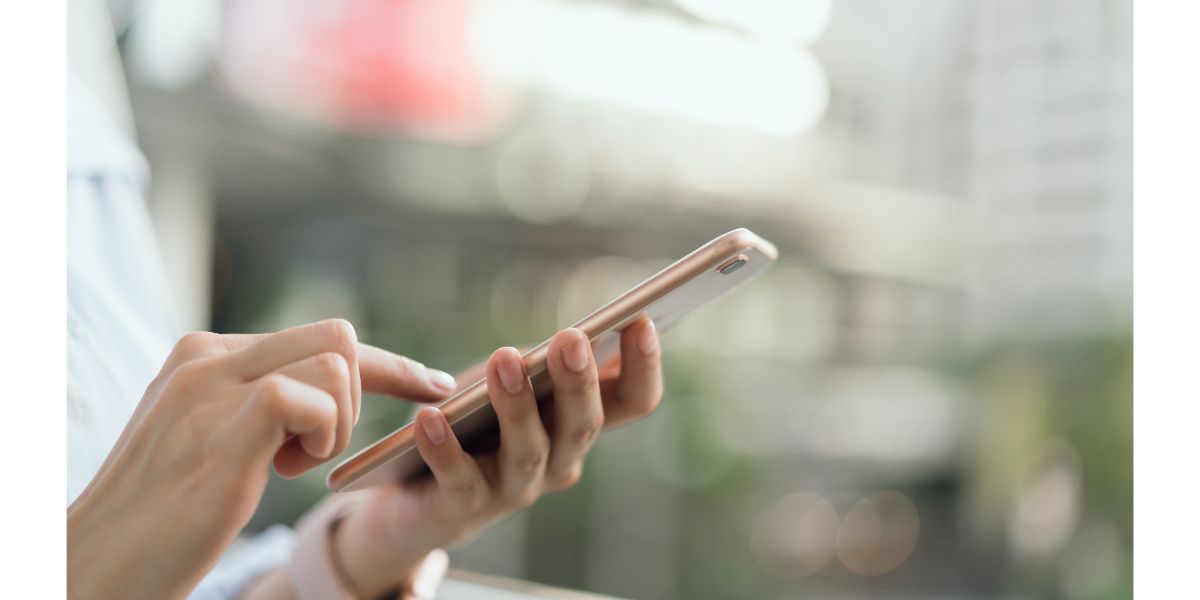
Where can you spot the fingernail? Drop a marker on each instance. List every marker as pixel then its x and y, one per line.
pixel 441 380
pixel 512 376
pixel 434 425
pixel 648 339
pixel 575 355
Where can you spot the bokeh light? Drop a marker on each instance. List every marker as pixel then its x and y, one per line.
pixel 796 535
pixel 878 533
pixel 650 61
pixel 1047 504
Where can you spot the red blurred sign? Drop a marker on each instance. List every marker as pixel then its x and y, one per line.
pixel 367 65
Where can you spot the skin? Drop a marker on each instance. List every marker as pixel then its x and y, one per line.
pixel 190 467
pixel 380 546
pixel 193 460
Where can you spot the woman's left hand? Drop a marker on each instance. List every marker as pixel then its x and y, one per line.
pixel 380 545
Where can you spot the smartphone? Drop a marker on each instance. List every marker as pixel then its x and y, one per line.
pixel 666 297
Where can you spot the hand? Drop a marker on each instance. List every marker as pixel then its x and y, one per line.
pixel 190 467
pixel 380 544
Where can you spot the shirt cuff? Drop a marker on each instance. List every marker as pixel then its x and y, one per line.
pixel 314 574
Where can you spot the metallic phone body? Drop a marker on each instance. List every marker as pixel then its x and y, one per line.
pixel 666 297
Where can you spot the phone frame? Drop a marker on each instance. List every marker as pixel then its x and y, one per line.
pixel 468 411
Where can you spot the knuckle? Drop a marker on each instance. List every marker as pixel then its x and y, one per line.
pixel 648 402
pixel 194 343
pixel 520 412
pixel 341 335
pixel 532 461
pixel 569 477
pixel 401 372
pixel 525 499
pixel 408 366
pixel 190 375
pixel 467 488
pixel 189 372
pixel 588 430
pixel 333 366
pixel 583 383
pixel 269 393
pixel 398 375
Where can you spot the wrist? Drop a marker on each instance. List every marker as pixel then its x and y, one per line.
pixel 376 566
pixel 359 566
pixel 341 553
pixel 99 564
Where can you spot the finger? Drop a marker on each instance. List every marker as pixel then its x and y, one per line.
pixel 524 445
pixel 402 377
pixel 637 391
pixel 327 371
pixel 382 371
pixel 478 370
pixel 456 472
pixel 273 351
pixel 578 413
pixel 277 406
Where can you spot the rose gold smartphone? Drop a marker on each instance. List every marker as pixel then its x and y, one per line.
pixel 666 297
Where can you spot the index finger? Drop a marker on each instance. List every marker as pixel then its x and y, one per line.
pixel 374 370
pixel 266 353
pixel 388 373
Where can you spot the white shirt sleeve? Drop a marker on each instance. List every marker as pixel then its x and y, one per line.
pixel 119 320
pixel 246 560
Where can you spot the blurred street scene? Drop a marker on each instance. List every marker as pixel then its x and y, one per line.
pixel 929 396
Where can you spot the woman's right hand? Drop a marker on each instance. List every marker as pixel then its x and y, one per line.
pixel 190 467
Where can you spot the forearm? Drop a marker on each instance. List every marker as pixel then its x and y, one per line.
pixel 107 558
pixel 123 544
pixel 91 572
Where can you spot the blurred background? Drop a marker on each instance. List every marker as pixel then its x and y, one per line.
pixel 928 396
